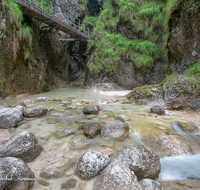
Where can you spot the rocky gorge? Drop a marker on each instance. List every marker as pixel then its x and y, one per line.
pixel 98 136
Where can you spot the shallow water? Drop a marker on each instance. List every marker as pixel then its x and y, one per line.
pixel 145 128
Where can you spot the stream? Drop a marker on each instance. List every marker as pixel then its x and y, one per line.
pixel 179 150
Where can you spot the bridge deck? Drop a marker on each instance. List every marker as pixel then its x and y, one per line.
pixel 59 21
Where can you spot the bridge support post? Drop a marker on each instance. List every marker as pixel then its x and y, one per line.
pixel 41 6
pixel 79 25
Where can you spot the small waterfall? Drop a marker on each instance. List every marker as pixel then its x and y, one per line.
pixel 180 167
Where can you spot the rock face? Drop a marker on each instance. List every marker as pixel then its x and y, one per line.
pixel 150 184
pixel 15 170
pixel 91 164
pixel 118 131
pixel 35 112
pixel 91 130
pixel 22 144
pixel 127 167
pixel 64 132
pixel 157 109
pixel 30 103
pixel 117 176
pixel 10 117
pixel 91 109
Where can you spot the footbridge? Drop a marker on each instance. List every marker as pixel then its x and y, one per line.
pixel 45 11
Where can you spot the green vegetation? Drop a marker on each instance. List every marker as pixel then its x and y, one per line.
pixel 82 6
pixel 145 19
pixel 194 70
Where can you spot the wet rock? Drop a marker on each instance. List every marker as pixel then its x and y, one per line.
pixel 35 112
pixel 150 184
pixel 22 144
pixel 91 130
pixel 5 135
pixel 77 142
pixel 91 116
pixel 144 163
pixel 42 99
pixel 43 182
pixel 118 131
pixel 117 176
pixel 106 150
pixel 71 107
pixel 30 103
pixel 57 113
pixel 70 184
pixel 5 105
pixel 64 132
pixel 122 117
pixel 158 110
pixel 55 168
pixel 15 170
pixel 24 126
pixel 91 109
pixel 91 164
pixel 67 114
pixel 10 117
pixel 52 120
pixel 189 127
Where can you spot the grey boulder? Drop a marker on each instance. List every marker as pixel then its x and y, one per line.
pixel 17 174
pixel 158 110
pixel 35 112
pixel 118 131
pixel 94 109
pixel 22 144
pixel 10 117
pixel 91 164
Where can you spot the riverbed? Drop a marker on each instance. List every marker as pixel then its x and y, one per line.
pixel 179 154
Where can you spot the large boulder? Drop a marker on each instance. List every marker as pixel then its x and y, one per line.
pixel 92 129
pixel 91 109
pixel 63 132
pixel 17 174
pixel 91 164
pixel 144 163
pixel 117 176
pixel 158 110
pixel 150 184
pixel 10 117
pixel 118 131
pixel 35 112
pixel 22 144
pixel 30 103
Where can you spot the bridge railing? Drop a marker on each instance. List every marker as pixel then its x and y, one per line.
pixel 65 17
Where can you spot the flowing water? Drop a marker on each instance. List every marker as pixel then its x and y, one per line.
pixel 179 150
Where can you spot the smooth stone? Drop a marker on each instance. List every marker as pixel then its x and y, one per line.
pixel 43 182
pixel 122 117
pixel 91 130
pixel 158 110
pixel 52 120
pixel 22 144
pixel 91 116
pixel 70 184
pixel 30 103
pixel 91 164
pixel 64 132
pixel 77 142
pixel 118 131
pixel 71 107
pixel 94 109
pixel 35 112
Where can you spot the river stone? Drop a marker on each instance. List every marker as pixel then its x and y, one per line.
pixel 117 176
pixel 91 109
pixel 15 170
pixel 91 164
pixel 91 130
pixel 71 107
pixel 55 168
pixel 10 117
pixel 118 131
pixel 143 162
pixel 22 144
pixel 158 110
pixel 24 126
pixel 150 184
pixel 42 99
pixel 77 142
pixel 122 117
pixel 64 132
pixel 30 103
pixel 70 184
pixel 52 120
pixel 35 112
